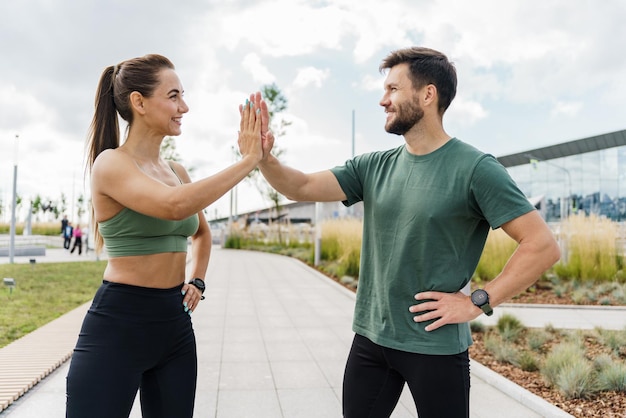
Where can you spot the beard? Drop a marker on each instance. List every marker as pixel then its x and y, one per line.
pixel 407 116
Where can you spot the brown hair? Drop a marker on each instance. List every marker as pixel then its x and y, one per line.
pixel 426 66
pixel 116 83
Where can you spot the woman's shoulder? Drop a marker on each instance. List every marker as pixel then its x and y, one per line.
pixel 110 160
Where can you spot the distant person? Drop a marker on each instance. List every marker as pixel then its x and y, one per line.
pixel 68 233
pixel 86 239
pixel 64 222
pixel 78 240
pixel 428 207
pixel 137 334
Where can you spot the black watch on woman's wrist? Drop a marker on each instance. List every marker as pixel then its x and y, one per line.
pixel 199 283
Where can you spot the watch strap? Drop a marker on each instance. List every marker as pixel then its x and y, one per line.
pixel 487 309
pixel 199 284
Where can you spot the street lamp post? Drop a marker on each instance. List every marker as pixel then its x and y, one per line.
pixel 14 203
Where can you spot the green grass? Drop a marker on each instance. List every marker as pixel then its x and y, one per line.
pixel 44 292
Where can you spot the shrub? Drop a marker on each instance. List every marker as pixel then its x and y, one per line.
pixel 536 338
pixel 615 340
pixel 503 351
pixel 341 241
pixel 234 241
pixel 577 379
pixel 602 361
pixel 528 362
pixel 329 249
pixel 49 229
pixel 558 359
pixel 579 296
pixel 477 326
pixel 612 377
pixel 620 294
pixel 509 327
pixel 590 246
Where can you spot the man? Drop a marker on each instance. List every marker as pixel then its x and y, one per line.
pixel 428 207
pixel 68 234
pixel 64 223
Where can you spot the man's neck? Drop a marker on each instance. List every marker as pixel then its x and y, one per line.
pixel 422 139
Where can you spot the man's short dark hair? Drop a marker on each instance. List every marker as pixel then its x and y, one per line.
pixel 426 66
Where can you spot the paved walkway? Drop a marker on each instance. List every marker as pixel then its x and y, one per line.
pixel 273 336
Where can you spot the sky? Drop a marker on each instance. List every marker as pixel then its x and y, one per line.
pixel 530 74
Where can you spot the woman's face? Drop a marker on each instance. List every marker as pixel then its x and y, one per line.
pixel 165 108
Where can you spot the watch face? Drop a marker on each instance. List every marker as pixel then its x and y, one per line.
pixel 480 297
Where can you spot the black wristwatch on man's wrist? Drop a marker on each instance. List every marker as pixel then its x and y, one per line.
pixel 199 283
pixel 480 298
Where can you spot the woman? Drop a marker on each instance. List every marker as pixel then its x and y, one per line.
pixel 78 240
pixel 138 331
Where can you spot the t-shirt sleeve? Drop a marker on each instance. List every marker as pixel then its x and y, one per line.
pixel 495 195
pixel 350 179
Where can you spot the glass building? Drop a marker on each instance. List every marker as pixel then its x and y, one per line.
pixel 586 175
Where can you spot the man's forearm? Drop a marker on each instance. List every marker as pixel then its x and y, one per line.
pixel 286 180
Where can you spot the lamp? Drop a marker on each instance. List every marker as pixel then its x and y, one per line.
pixel 10 283
pixel 12 230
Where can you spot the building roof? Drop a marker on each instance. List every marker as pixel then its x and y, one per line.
pixel 580 146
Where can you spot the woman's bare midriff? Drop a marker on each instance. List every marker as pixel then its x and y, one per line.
pixel 161 271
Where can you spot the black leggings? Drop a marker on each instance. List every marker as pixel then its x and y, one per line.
pixel 375 376
pixel 133 338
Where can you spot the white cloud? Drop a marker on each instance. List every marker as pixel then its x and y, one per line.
pixel 260 73
pixel 370 83
pixel 466 112
pixel 569 109
pixel 297 33
pixel 310 76
pixel 22 109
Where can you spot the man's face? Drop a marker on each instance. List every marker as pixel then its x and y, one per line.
pixel 401 101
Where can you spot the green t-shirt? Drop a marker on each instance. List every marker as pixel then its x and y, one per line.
pixel 426 219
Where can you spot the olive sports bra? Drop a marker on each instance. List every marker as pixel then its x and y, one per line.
pixel 132 233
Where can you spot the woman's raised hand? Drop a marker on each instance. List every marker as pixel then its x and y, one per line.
pixel 249 139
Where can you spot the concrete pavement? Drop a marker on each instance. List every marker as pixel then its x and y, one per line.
pixel 273 336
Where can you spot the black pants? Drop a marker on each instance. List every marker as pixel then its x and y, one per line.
pixel 133 338
pixel 375 376
pixel 78 242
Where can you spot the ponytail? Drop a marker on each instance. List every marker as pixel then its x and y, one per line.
pixel 104 132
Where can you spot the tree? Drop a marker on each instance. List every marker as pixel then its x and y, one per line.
pixel 168 149
pixel 63 208
pixel 18 202
pixel 80 204
pixel 35 206
pixel 276 104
